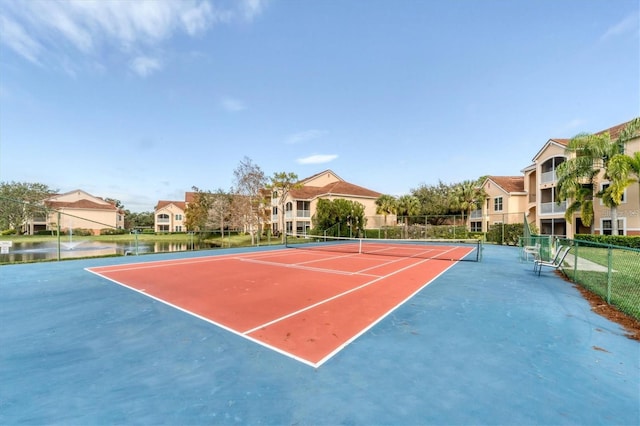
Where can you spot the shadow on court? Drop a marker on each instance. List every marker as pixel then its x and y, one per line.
pixel 486 343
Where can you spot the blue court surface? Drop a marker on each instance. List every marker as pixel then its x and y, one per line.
pixel 485 343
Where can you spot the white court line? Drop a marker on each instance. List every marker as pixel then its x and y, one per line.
pixel 245 334
pixel 305 268
pixel 210 321
pixel 337 296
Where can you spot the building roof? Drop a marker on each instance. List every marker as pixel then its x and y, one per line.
pixel 614 132
pixel 339 188
pixel 80 204
pixel 164 203
pixel 307 179
pixel 510 184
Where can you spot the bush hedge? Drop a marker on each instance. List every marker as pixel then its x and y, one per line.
pixel 632 241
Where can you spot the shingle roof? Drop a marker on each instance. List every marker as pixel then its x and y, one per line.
pixel 509 183
pixel 80 204
pixel 335 188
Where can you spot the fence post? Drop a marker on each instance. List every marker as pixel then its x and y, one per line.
pixel 575 261
pixel 609 273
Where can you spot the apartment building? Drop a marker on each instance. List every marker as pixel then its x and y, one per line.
pixel 535 196
pixel 300 204
pixel 77 210
pixel 505 203
pixel 169 216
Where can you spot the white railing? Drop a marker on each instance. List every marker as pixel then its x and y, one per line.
pixel 548 177
pixel 547 208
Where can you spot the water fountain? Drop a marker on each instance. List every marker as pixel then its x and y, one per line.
pixel 71 244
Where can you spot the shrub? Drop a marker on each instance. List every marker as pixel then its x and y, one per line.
pixel 632 241
pixel 512 233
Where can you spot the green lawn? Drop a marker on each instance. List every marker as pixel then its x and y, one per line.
pixel 618 284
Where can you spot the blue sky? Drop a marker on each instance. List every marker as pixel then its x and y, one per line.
pixel 140 101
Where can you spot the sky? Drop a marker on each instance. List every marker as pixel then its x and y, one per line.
pixel 140 101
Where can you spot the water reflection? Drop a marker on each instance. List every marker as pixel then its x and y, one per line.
pixel 28 252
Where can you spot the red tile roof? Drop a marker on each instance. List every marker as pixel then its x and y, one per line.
pixel 509 183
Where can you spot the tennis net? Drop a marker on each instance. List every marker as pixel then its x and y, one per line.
pixel 444 249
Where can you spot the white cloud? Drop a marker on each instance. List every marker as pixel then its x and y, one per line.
pixel 144 65
pixel 305 136
pixel 252 8
pixel 628 24
pixel 232 105
pixel 17 39
pixel 45 31
pixel 317 159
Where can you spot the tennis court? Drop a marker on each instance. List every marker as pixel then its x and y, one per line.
pixel 306 304
pixel 201 338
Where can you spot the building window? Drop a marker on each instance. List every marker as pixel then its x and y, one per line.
pixel 163 218
pixel 178 228
pixel 606 226
pixel 178 217
pixel 497 204
pixel 274 211
pixel 303 208
pixel 555 227
pixel 476 226
pixel 302 228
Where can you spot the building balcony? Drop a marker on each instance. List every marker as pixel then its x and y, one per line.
pixel 551 208
pixel 548 177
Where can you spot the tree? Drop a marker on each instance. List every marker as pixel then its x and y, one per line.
pixel 386 205
pixel 436 201
pixel 20 202
pixel 250 180
pixel 468 196
pixel 197 211
pixel 281 183
pixel 347 214
pixel 219 209
pixel 624 169
pixel 135 220
pixel 590 157
pixel 408 205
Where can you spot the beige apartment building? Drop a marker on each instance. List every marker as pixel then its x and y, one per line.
pixel 169 216
pixel 300 204
pixel 534 196
pixel 505 203
pixel 77 210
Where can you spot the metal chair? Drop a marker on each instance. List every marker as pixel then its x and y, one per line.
pixel 556 263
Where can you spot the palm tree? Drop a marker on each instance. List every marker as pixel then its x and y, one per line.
pixel 624 169
pixel 576 180
pixel 408 205
pixel 578 176
pixel 468 196
pixel 386 205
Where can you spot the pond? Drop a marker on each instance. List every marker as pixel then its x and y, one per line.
pixel 29 251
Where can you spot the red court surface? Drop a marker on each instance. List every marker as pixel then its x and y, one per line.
pixel 304 304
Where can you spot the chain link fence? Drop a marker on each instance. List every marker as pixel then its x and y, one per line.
pixel 612 272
